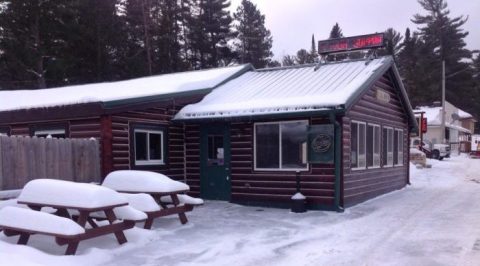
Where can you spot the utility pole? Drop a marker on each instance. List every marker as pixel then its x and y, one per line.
pixel 442 128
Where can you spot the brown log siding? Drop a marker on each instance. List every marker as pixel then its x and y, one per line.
pixel 361 185
pixel 249 185
pixel 122 148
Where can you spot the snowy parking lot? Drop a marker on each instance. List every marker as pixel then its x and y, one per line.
pixel 435 221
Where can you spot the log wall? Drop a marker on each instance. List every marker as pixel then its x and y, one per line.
pixel 361 185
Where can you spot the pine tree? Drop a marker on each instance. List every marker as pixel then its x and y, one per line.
pixel 336 32
pixel 393 43
pixel 210 33
pixel 443 39
pixel 254 40
pixel 313 51
pixel 28 38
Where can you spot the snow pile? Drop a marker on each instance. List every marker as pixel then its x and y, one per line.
pixel 185 199
pixel 38 221
pixel 286 90
pixel 66 193
pixel 298 196
pixel 122 213
pixel 142 202
pixel 8 194
pixel 142 181
pixel 114 91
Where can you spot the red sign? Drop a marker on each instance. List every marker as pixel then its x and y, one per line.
pixel 424 125
pixel 351 43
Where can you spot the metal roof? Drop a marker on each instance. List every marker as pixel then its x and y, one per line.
pixel 288 90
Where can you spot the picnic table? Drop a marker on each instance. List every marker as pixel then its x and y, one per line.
pixel 169 194
pixel 67 197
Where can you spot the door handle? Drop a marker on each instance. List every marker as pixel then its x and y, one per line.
pixel 228 178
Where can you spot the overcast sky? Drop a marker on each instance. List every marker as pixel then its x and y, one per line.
pixel 292 22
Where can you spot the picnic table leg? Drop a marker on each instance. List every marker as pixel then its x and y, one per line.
pixel 176 202
pixel 148 223
pixel 23 240
pixel 72 247
pixel 119 234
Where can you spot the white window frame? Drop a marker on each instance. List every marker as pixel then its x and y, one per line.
pixel 50 132
pixel 400 144
pixel 148 161
pixel 376 144
pixel 280 168
pixel 389 163
pixel 359 156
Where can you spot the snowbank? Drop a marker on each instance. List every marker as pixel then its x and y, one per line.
pixel 185 199
pixel 142 181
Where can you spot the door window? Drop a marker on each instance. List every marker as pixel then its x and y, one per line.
pixel 215 150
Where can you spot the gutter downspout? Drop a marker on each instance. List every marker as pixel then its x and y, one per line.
pixel 337 161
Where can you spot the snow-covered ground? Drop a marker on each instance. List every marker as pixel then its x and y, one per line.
pixel 435 221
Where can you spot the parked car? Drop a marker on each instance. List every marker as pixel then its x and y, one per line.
pixel 435 151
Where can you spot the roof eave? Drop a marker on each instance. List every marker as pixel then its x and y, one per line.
pixel 339 110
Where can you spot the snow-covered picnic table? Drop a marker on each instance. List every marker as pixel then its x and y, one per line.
pixel 67 197
pixel 168 193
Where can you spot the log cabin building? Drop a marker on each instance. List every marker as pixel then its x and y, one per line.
pixel 240 134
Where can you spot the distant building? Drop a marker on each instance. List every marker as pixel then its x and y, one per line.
pixel 459 125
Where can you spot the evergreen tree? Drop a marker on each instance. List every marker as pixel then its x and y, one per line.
pixel 393 44
pixel 254 41
pixel 443 39
pixel 28 41
pixel 336 32
pixel 313 51
pixel 210 33
pixel 92 34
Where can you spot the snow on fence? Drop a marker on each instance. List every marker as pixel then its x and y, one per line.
pixel 24 158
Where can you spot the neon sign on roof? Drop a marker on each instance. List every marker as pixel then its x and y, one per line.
pixel 351 43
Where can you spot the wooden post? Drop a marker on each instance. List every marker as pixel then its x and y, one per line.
pixel 106 142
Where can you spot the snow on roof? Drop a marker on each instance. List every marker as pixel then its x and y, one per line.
pixel 120 90
pixel 431 113
pixel 67 193
pixel 142 181
pixel 281 90
pixel 463 114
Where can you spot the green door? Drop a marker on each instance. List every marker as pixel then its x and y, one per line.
pixel 215 162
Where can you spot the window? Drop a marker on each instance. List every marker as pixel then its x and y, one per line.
pixel 4 131
pixel 398 148
pixel 387 146
pixel 358 145
pixel 215 150
pixel 281 145
pixel 373 146
pixel 50 133
pixel 149 147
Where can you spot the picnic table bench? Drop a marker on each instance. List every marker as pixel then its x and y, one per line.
pixel 167 193
pixel 64 196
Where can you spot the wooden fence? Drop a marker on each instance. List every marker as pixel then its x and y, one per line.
pixel 23 159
